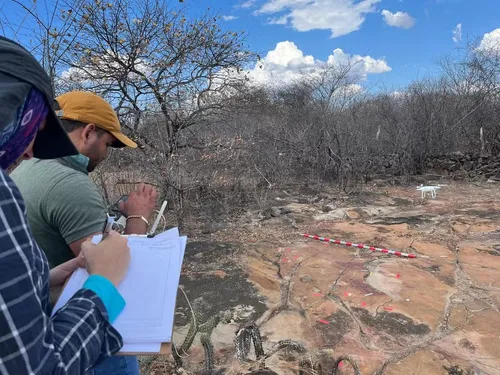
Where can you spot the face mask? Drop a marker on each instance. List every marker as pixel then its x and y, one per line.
pixel 81 160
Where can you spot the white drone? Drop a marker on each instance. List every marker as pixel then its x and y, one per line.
pixel 429 189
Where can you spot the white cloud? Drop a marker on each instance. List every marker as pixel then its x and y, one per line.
pixel 229 18
pixel 457 33
pixel 279 20
pixel 398 19
pixel 491 42
pixel 287 63
pixel 341 17
pixel 76 75
pixel 247 4
pixel 362 65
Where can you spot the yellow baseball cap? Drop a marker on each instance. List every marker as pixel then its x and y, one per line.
pixel 87 107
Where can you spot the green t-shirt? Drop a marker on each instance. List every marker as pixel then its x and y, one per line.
pixel 62 203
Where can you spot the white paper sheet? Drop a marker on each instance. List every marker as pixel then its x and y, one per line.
pixel 149 289
pixel 141 348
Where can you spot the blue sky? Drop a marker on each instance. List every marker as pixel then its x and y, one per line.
pixel 411 52
pixel 396 41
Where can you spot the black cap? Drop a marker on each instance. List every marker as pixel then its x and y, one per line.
pixel 19 73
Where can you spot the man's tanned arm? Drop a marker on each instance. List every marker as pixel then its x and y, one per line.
pixel 140 202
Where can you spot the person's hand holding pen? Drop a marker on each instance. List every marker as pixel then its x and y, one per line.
pixel 110 258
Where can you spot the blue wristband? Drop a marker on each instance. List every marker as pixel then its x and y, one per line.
pixel 111 298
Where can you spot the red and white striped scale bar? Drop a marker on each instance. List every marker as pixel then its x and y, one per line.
pixel 360 246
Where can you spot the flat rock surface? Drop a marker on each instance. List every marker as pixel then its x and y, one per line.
pixel 436 314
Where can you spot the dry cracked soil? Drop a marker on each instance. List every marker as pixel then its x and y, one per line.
pixel 435 314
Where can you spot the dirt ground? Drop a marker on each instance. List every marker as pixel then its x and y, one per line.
pixel 436 314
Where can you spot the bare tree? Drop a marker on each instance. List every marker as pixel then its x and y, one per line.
pixel 149 59
pixel 49 28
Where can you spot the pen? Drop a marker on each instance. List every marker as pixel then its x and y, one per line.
pixel 158 218
pixel 107 227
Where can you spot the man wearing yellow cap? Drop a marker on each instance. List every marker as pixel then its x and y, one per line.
pixel 65 207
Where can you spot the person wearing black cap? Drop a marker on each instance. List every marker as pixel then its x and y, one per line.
pixel 79 335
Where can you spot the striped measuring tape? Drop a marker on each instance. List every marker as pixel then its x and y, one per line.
pixel 359 246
